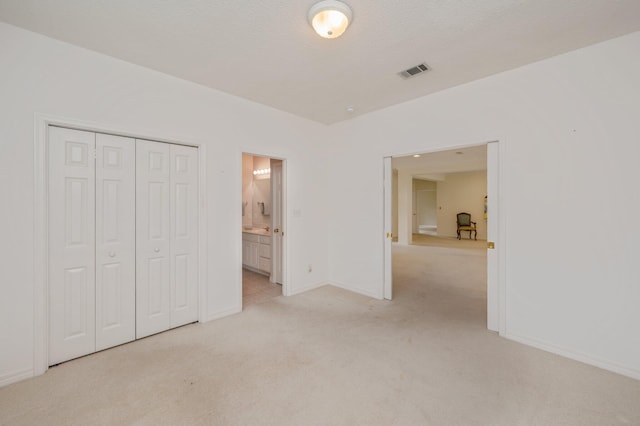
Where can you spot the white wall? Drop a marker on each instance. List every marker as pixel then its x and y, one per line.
pixel 461 192
pixel 41 75
pixel 568 131
pixel 567 127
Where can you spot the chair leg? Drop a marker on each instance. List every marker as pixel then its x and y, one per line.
pixel 458 232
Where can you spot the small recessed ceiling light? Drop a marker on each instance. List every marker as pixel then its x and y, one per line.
pixel 350 109
pixel 416 155
pixel 459 152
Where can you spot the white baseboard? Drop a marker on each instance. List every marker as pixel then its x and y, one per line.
pixel 15 376
pixel 307 288
pixel 576 356
pixel 364 292
pixel 225 313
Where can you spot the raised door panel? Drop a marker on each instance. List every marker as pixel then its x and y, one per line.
pixel 153 238
pixel 71 244
pixel 115 240
pixel 184 234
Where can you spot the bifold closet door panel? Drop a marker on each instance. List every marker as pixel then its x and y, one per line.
pixel 115 240
pixel 153 230
pixel 184 235
pixel 71 207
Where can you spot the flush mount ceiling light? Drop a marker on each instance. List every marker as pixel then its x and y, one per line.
pixel 416 155
pixel 330 18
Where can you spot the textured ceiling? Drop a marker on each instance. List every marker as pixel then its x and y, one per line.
pixel 265 50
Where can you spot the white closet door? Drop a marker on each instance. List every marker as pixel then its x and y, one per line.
pixel 115 241
pixel 153 291
pixel 184 235
pixel 71 244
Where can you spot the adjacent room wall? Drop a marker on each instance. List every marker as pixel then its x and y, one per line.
pixel 41 75
pixel 568 133
pixel 461 192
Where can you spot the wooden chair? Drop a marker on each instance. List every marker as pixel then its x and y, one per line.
pixel 466 224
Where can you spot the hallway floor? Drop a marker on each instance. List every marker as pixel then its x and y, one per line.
pixel 256 288
pixel 332 357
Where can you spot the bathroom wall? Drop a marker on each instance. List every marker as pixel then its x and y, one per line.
pixel 256 192
pixel 247 190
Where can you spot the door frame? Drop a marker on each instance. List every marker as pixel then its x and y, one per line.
pixel 41 216
pixel 387 230
pixel 496 320
pixel 286 291
pixel 275 256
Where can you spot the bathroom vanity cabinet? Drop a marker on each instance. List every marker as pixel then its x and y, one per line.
pixel 256 252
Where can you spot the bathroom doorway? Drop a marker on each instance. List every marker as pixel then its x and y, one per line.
pixel 425 211
pixel 262 228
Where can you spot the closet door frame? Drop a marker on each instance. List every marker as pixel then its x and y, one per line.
pixel 41 219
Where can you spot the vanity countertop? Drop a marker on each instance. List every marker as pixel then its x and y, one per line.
pixel 256 231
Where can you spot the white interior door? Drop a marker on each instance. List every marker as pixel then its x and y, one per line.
pixel 71 244
pixel 184 234
pixel 388 232
pixel 115 241
pixel 153 230
pixel 493 313
pixel 276 222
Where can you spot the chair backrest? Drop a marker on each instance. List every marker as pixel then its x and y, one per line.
pixel 464 219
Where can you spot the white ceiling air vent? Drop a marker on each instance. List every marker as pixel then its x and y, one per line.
pixel 413 71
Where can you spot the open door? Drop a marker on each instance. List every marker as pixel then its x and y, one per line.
pixel 387 232
pixel 493 314
pixel 276 221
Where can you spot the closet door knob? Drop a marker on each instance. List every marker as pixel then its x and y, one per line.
pixel 156 249
pixel 112 254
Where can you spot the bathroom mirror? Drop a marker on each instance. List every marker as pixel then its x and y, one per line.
pixel 262 201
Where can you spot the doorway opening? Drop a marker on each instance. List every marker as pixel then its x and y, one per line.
pixel 262 229
pixel 425 207
pixel 423 195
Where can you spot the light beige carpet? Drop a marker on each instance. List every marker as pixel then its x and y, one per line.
pixel 331 357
